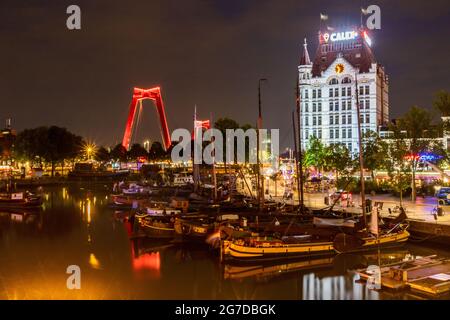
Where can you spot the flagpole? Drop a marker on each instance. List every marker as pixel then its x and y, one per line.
pixel 195 167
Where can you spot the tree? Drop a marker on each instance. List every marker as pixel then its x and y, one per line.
pixel 137 151
pixel 119 153
pixel 417 126
pixel 395 151
pixel 315 154
pixel 157 151
pixel 222 124
pixel 102 155
pixel 338 158
pixel 441 102
pixel 49 144
pixel 372 146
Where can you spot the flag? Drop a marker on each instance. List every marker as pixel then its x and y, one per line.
pixel 364 11
pixel 323 17
pixel 205 124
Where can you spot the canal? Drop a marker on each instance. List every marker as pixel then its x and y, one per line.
pixel 76 227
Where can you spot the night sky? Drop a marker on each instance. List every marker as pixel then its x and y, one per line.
pixel 205 53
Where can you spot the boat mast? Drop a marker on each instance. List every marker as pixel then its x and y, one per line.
pixel 361 158
pixel 260 182
pixel 194 166
pixel 300 153
pixel 214 163
pixel 296 160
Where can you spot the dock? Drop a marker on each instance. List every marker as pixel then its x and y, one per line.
pixel 426 275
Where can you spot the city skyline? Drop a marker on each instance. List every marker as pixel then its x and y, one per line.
pixel 210 55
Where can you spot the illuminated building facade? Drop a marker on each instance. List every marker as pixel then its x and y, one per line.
pixel 328 89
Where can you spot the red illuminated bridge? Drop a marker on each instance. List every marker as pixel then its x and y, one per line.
pixel 138 96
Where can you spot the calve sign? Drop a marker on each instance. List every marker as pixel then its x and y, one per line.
pixel 340 36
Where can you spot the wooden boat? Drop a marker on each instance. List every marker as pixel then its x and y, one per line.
pixel 127 201
pixel 195 229
pixel 158 227
pixel 268 248
pixel 344 243
pixel 20 200
pixel 387 235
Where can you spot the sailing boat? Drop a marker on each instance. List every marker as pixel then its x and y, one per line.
pixel 364 238
pixel 375 237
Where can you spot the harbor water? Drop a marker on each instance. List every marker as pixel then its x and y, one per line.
pixel 76 227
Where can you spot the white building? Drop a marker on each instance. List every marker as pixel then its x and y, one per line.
pixel 327 88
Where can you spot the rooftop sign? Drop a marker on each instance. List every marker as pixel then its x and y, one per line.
pixel 340 36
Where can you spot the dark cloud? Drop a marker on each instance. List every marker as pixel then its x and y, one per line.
pixel 205 53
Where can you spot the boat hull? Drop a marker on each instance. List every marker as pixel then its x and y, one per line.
pixel 370 243
pixel 158 230
pixel 235 251
pixel 188 231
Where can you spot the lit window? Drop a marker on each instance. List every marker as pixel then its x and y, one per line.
pixel 367 90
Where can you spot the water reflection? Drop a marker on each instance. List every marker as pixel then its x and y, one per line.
pixel 76 227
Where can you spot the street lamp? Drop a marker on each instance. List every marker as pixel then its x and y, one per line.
pixel 89 150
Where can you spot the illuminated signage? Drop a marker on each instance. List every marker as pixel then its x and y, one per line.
pixel 340 36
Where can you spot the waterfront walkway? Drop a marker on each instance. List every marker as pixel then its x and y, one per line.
pixel 421 209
